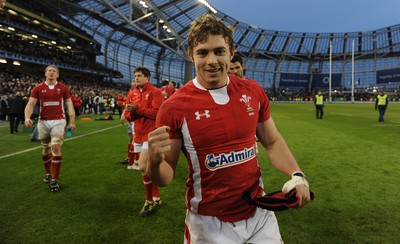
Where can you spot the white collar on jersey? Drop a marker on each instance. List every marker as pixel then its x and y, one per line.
pixel 219 95
pixel 51 87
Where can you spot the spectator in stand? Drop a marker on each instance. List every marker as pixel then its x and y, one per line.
pixel 3 109
pixel 2 3
pixel 101 104
pixel 16 112
pixel 90 104
pixel 96 102
pixel 111 102
pixel 76 102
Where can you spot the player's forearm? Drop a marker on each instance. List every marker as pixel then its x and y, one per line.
pixel 160 174
pixel 28 111
pixel 282 158
pixel 72 119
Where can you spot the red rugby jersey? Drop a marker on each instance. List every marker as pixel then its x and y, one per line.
pixel 51 99
pixel 149 100
pixel 217 129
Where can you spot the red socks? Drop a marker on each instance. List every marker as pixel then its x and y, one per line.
pixel 47 163
pixel 130 154
pixel 55 166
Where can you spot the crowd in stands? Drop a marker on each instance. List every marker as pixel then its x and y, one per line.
pixel 89 95
pixel 81 55
pixel 83 89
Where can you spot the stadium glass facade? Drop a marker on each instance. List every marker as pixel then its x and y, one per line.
pixel 153 33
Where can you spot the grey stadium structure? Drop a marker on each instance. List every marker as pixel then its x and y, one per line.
pixel 129 33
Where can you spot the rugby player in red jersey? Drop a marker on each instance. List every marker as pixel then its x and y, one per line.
pixel 52 95
pixel 213 119
pixel 142 108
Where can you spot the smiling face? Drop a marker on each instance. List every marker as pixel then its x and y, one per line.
pixel 212 60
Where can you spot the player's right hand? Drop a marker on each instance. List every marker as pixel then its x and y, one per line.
pixel 28 123
pixel 159 144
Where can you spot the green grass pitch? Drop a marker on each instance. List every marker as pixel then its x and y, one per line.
pixel 352 163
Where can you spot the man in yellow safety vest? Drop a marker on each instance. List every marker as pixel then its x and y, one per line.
pixel 319 105
pixel 381 103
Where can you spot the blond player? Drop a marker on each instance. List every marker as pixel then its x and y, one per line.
pixel 52 95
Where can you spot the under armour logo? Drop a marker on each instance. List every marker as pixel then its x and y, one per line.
pixel 206 113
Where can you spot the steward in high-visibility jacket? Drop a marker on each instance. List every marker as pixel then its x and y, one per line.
pixel 381 104
pixel 319 105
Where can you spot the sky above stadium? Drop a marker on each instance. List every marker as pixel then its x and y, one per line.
pixel 317 16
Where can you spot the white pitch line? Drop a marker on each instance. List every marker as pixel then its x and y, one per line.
pixel 69 139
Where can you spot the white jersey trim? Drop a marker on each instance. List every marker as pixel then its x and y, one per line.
pixel 194 160
pixel 220 96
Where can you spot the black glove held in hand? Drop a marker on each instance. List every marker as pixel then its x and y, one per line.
pixel 275 201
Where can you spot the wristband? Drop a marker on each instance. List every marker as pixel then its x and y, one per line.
pixel 299 173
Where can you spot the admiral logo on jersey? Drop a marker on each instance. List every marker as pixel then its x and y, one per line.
pixel 246 100
pixel 51 103
pixel 223 160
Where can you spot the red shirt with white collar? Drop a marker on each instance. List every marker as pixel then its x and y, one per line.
pixel 148 99
pixel 52 98
pixel 217 128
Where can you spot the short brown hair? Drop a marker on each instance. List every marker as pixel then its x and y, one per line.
pixel 53 66
pixel 207 25
pixel 145 71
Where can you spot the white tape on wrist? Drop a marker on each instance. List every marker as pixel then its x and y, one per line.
pixel 295 181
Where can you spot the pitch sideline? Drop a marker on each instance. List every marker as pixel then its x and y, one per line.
pixel 69 139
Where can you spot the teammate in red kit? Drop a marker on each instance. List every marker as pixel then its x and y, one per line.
pixel 133 151
pixel 166 89
pixel 52 95
pixel 120 104
pixel 237 67
pixel 213 119
pixel 142 108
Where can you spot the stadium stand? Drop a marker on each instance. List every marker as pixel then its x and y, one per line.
pixel 109 38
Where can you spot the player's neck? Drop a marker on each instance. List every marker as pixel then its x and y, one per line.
pixel 51 82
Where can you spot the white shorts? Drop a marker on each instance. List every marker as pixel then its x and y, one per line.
pixel 131 128
pixel 50 128
pixel 137 147
pixel 262 228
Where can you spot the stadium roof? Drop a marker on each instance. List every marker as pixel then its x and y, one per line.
pixel 164 24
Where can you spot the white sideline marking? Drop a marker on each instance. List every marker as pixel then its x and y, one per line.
pixel 69 139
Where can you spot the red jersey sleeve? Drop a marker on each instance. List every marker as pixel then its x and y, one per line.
pixel 35 92
pixel 171 114
pixel 152 111
pixel 265 109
